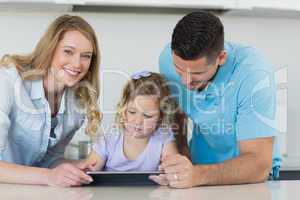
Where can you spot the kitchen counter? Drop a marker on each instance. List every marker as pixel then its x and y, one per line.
pixel 272 190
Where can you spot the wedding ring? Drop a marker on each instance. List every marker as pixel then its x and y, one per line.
pixel 175 176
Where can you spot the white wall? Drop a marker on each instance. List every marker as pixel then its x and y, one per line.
pixel 133 40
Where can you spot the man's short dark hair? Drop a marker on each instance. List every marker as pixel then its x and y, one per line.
pixel 197 35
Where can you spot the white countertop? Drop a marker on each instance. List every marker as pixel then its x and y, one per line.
pixel 272 190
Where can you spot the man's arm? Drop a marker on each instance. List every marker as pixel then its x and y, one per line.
pixel 252 166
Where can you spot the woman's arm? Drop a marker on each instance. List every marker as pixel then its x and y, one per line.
pixel 169 149
pixel 62 175
pixel 13 173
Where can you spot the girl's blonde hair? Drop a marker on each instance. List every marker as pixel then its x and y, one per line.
pixel 155 84
pixel 36 64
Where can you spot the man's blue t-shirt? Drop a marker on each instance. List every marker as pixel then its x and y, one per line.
pixel 239 104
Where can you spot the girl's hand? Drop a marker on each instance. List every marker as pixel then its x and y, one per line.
pixel 86 165
pixel 160 179
pixel 67 175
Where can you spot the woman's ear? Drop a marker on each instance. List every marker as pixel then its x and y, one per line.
pixel 123 116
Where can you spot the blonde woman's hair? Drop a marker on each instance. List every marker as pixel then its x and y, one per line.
pixel 36 64
pixel 170 114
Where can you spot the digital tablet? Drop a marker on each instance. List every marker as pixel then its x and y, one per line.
pixel 122 178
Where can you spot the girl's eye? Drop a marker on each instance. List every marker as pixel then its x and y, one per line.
pixel 131 112
pixel 87 56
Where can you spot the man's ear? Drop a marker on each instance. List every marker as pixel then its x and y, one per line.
pixel 160 120
pixel 222 57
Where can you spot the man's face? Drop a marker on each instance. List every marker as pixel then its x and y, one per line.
pixel 196 74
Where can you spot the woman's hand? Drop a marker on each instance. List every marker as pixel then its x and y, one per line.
pixel 67 175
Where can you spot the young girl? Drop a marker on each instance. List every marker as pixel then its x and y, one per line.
pixel 146 116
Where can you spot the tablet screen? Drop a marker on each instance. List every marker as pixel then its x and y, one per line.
pixel 122 178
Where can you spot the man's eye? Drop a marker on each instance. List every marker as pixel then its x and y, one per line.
pixel 148 116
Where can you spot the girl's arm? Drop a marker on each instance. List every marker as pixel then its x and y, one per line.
pixel 180 130
pixel 93 162
pixel 169 149
pixel 179 146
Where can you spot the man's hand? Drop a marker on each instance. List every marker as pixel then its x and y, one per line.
pixel 251 166
pixel 179 172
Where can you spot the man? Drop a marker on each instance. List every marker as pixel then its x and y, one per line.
pixel 228 91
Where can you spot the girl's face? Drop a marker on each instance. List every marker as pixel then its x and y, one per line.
pixel 142 116
pixel 71 60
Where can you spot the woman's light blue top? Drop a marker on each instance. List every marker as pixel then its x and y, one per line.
pixel 25 122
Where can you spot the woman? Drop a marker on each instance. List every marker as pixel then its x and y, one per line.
pixel 46 96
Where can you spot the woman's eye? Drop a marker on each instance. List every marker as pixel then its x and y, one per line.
pixel 68 52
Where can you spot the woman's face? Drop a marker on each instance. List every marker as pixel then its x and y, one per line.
pixel 71 60
pixel 142 116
